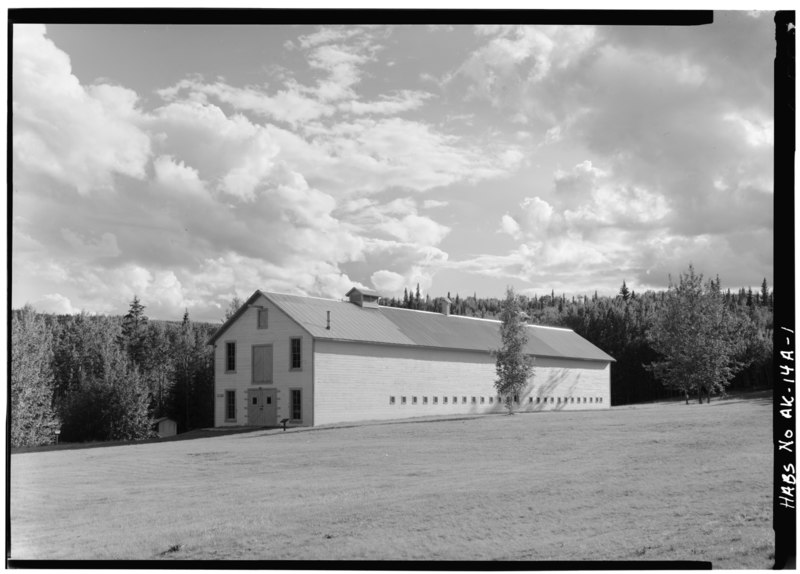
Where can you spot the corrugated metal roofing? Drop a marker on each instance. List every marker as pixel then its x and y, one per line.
pixel 389 325
pixel 349 322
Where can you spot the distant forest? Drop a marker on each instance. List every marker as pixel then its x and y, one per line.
pixel 620 325
pixel 101 378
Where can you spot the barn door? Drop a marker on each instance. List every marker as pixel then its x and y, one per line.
pixel 255 408
pixel 262 408
pixel 262 364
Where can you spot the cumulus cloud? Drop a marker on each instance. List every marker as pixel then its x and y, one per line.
pixel 55 303
pixel 640 148
pixel 79 136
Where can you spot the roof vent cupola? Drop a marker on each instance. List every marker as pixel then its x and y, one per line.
pixel 363 297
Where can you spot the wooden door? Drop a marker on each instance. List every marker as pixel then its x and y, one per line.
pixel 262 408
pixel 262 364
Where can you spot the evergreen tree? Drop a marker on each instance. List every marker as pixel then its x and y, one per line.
pixel 513 366
pixel 764 293
pixel 134 325
pixel 405 298
pixel 624 292
pixel 33 419
pixel 417 302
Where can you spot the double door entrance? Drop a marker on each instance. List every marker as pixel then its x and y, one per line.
pixel 262 407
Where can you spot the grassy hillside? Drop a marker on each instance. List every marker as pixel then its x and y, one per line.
pixel 654 482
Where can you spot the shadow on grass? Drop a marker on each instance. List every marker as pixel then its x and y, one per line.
pixel 191 435
pixel 760 397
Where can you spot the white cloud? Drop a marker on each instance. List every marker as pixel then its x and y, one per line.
pixel 509 225
pixel 55 303
pixel 758 132
pixel 403 101
pixel 388 282
pixel 78 136
pixel 433 203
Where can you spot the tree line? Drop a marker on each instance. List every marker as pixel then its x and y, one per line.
pixel 100 378
pixel 104 378
pixel 648 332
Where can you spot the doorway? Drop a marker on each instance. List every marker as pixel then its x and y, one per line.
pixel 262 407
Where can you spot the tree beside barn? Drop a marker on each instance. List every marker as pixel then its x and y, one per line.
pixel 514 368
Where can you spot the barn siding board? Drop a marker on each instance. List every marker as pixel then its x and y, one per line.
pixel 244 331
pixel 353 381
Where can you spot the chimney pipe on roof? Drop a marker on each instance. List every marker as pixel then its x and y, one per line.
pixel 446 307
pixel 329 321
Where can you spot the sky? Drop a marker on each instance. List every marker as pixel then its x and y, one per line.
pixel 186 165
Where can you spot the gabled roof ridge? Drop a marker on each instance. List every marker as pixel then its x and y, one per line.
pixel 412 310
pixel 305 296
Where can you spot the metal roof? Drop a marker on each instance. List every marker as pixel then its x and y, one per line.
pixel 393 326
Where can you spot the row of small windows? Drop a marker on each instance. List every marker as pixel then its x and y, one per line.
pixel 491 400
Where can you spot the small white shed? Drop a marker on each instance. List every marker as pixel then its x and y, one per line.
pixel 165 427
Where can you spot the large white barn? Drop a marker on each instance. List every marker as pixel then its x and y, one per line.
pixel 319 361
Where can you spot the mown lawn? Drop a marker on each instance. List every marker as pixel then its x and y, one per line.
pixel 654 482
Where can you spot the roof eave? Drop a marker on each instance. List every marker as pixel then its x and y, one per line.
pixel 608 358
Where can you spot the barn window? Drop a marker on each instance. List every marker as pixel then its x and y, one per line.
pixel 402 400
pixel 262 318
pixel 538 399
pixel 230 356
pixel 590 399
pixel 491 400
pixel 424 400
pixel 516 399
pixel 483 399
pixel 435 400
pixel 444 400
pixel 391 400
pixel 413 400
pixel 296 350
pixel 230 405
pixel 455 400
pixel 473 400
pixel 463 400
pixel 530 399
pixel 552 399
pixel 572 399
pixel 297 405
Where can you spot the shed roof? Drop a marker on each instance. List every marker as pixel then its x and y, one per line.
pixel 393 326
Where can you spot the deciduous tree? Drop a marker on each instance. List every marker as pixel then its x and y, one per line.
pixel 514 367
pixel 696 338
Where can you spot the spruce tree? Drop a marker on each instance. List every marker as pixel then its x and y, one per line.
pixel 33 419
pixel 624 292
pixel 134 331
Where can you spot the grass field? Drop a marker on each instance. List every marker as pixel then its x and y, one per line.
pixel 653 482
